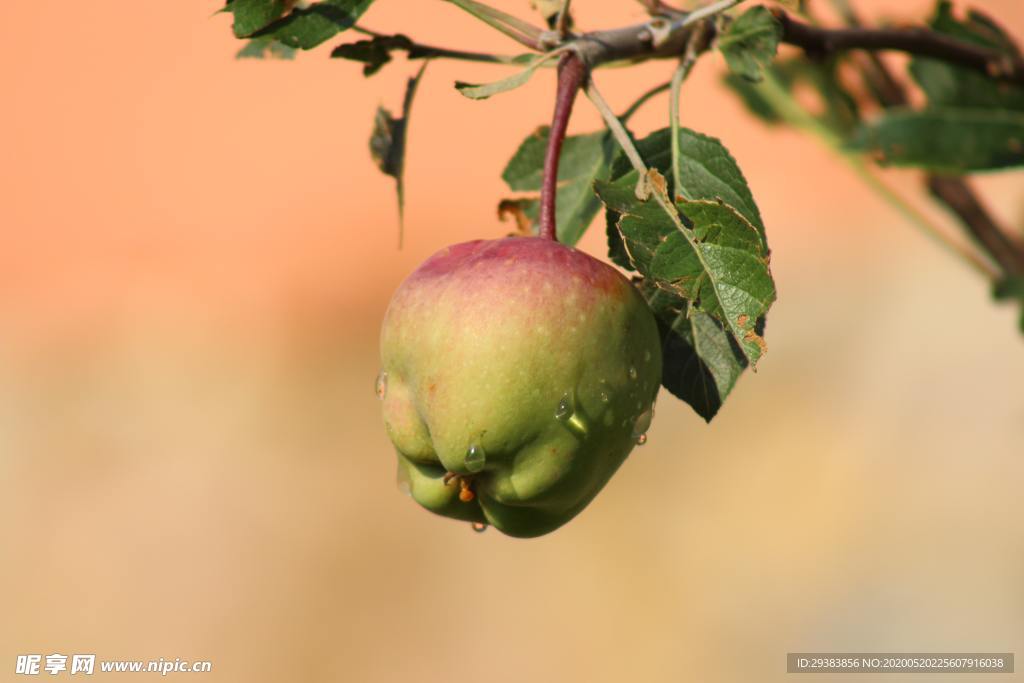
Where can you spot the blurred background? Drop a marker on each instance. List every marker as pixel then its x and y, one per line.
pixel 195 255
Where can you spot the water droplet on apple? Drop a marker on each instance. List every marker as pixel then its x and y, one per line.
pixel 641 439
pixel 479 527
pixel 642 424
pixel 632 373
pixel 566 412
pixel 647 356
pixel 565 407
pixel 604 397
pixel 381 386
pixel 476 458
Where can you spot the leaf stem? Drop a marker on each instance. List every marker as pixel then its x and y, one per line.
pixel 618 131
pixel 681 72
pixel 571 75
pixel 518 30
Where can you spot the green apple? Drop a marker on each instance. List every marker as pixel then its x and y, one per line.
pixel 516 376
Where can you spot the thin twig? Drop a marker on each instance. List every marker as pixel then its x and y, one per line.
pixel 571 74
pixel 953 192
pixel 643 99
pixel 916 41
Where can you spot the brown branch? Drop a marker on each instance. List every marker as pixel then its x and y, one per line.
pixel 952 191
pixel 916 41
pixel 571 74
pixel 961 199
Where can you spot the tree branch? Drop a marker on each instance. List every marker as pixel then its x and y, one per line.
pixel 952 191
pixel 916 41
pixel 571 74
pixel 961 199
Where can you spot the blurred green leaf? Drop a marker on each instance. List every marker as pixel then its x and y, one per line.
pixel 946 140
pixel 585 158
pixel 308 27
pixel 751 95
pixel 1011 289
pixel 252 15
pixel 838 110
pixel 948 85
pixel 750 42
pixel 265 48
pixel 373 53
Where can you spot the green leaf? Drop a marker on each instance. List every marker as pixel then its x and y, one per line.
pixel 946 140
pixel 1011 289
pixel 585 158
pixel 750 42
pixel 388 143
pixel 709 170
pixel 751 95
pixel 265 48
pixel 252 15
pixel 373 53
pixel 308 27
pixel 482 92
pixel 838 110
pixel 947 85
pixel 701 360
pixel 717 260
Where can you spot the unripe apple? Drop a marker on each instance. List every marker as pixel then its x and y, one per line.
pixel 516 376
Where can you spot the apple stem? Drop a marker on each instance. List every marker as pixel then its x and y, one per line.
pixel 571 74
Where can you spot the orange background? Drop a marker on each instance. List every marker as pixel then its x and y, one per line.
pixel 195 254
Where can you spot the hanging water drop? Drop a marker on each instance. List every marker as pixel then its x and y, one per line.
pixel 565 408
pixel 381 385
pixel 476 458
pixel 642 424
pixel 479 527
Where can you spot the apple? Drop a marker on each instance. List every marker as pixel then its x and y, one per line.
pixel 516 376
